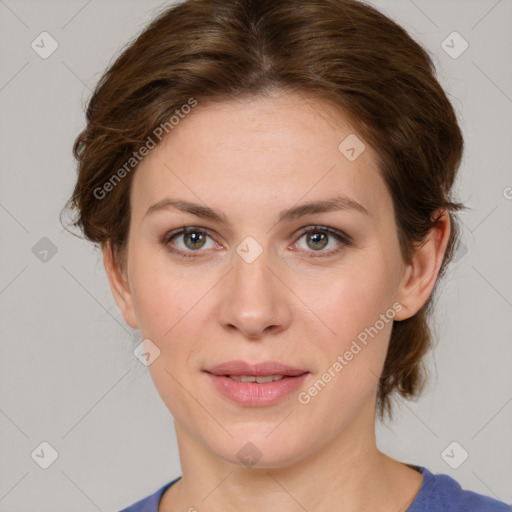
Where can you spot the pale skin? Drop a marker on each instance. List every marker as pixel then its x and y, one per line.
pixel 251 160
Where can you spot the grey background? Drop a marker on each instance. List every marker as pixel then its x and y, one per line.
pixel 67 372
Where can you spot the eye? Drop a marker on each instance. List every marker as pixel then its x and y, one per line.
pixel 193 239
pixel 319 237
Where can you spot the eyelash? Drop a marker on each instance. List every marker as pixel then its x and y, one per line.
pixel 341 237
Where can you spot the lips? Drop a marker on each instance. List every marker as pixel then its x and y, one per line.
pixel 263 369
pixel 256 385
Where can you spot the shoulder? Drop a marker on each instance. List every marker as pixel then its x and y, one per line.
pixel 149 503
pixel 441 493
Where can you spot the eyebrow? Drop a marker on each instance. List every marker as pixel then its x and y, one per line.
pixel 338 203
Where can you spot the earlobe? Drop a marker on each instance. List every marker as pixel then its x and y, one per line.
pixel 119 286
pixel 421 274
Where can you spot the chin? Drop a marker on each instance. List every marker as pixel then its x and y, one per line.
pixel 261 450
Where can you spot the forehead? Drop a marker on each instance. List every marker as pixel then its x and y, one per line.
pixel 275 149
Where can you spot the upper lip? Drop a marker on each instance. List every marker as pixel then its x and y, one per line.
pixel 258 369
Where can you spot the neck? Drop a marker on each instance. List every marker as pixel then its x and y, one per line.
pixel 348 474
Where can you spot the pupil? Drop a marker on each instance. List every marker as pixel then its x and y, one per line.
pixel 316 237
pixel 195 237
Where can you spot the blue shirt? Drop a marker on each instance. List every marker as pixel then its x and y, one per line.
pixel 438 493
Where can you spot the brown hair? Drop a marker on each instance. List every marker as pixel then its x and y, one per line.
pixel 342 51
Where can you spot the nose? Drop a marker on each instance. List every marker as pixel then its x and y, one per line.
pixel 255 301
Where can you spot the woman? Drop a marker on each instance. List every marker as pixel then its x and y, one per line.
pixel 270 184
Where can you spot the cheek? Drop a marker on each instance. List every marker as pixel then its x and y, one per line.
pixel 168 308
pixel 352 359
pixel 354 314
pixel 347 301
pixel 169 304
pixel 162 296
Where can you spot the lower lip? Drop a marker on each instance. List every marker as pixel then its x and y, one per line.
pixel 252 394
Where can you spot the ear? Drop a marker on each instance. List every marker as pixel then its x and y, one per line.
pixel 119 285
pixel 421 274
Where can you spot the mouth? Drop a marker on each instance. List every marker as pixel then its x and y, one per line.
pixel 255 385
pixel 257 379
pixel 271 370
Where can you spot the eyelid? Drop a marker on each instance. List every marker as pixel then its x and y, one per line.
pixel 332 231
pixel 165 241
pixel 342 238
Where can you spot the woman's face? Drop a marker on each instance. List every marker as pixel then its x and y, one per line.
pixel 253 286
